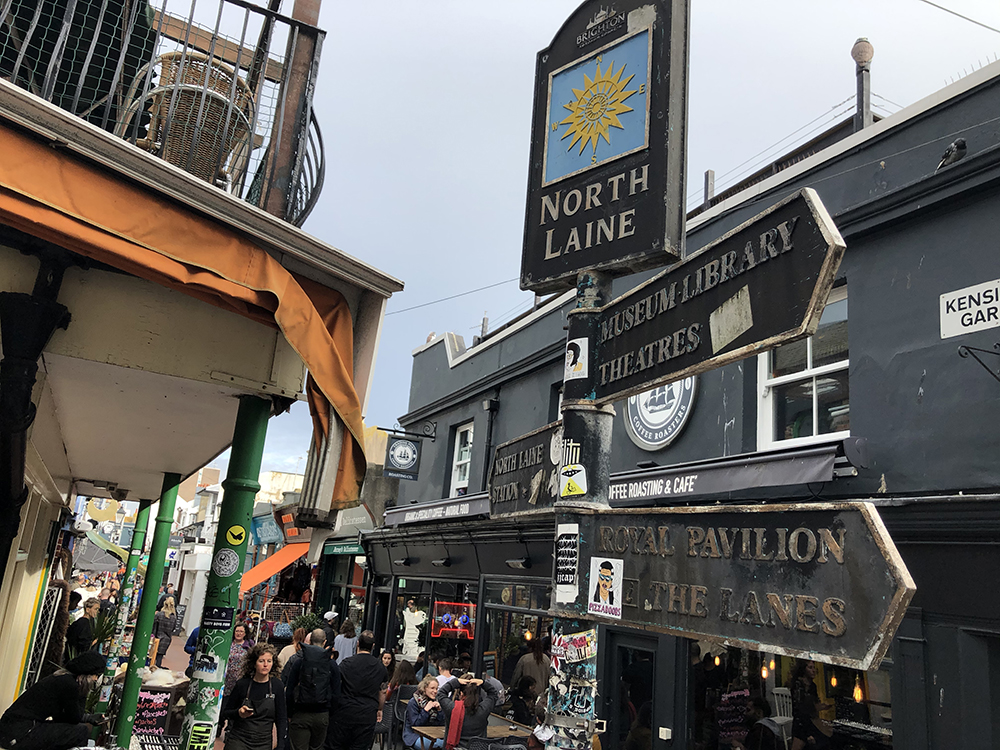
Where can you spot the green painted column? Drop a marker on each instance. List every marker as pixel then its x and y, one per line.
pixel 147 608
pixel 222 593
pixel 125 597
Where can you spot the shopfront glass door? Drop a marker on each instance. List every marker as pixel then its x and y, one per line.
pixel 634 704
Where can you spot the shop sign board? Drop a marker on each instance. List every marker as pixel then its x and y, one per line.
pixel 339 548
pixel 821 581
pixel 265 530
pixel 606 173
pixel 524 476
pixel 402 457
pixel 763 284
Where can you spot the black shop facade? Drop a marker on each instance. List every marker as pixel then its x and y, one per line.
pixel 891 403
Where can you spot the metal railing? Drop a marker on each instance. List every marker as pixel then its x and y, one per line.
pixel 202 84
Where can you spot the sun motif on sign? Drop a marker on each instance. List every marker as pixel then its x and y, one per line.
pixel 597 107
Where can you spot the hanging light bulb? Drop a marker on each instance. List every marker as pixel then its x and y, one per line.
pixel 527 635
pixel 771 665
pixel 763 672
pixel 718 661
pixel 858 695
pixel 833 680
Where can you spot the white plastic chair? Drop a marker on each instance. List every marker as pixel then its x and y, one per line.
pixel 783 712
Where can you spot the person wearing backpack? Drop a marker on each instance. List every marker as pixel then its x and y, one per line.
pixel 312 686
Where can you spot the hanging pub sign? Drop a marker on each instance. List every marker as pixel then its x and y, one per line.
pixel 763 284
pixel 402 457
pixel 524 476
pixel 265 530
pixel 606 175
pixel 823 581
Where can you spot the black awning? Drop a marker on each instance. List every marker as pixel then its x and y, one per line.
pixel 734 473
pixel 449 509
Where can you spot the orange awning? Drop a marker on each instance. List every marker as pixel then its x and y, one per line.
pixel 50 194
pixel 273 564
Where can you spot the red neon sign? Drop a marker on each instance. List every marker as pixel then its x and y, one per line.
pixel 456 619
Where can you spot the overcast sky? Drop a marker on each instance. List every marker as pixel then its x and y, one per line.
pixel 425 110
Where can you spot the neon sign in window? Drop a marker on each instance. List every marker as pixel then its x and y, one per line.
pixel 453 620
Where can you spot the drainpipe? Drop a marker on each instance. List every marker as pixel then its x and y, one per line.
pixel 291 122
pixel 491 406
pixel 125 601
pixel 27 322
pixel 147 607
pixel 215 636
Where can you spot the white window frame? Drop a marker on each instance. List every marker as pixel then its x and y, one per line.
pixel 456 483
pixel 767 384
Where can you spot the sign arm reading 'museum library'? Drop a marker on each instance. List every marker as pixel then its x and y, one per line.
pixel 760 285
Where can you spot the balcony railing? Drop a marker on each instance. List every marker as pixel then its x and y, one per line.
pixel 206 85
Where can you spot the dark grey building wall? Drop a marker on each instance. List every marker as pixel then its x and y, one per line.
pixel 931 418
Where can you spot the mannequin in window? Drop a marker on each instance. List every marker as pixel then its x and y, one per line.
pixel 413 618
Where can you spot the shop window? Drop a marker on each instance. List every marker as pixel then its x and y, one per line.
pixel 804 389
pixel 515 621
pixel 734 690
pixel 461 461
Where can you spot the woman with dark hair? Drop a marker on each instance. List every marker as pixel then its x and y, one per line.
pixel 389 662
pixel 50 714
pixel 298 636
pixel 404 675
pixel 423 710
pixel 808 730
pixel 533 664
pixel 478 699
pixel 346 644
pixel 522 702
pixel 237 656
pixel 257 703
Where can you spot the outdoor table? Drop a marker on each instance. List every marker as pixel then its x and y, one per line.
pixel 493 732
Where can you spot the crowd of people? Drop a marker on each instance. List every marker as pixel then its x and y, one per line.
pixel 328 688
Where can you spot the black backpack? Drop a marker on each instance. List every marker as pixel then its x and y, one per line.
pixel 313 688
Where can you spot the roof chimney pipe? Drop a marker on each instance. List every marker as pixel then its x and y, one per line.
pixel 862 52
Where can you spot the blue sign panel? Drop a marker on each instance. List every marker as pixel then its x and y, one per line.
pixel 265 530
pixel 598 108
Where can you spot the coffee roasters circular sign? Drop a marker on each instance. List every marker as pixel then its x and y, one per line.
pixel 655 418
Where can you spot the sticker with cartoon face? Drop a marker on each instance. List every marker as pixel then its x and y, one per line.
pixel 605 587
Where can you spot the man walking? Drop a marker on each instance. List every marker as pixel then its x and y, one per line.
pixel 312 685
pixel 352 725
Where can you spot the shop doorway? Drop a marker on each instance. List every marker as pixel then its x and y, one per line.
pixel 635 700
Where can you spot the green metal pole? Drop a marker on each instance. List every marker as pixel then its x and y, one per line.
pixel 125 601
pixel 147 608
pixel 222 594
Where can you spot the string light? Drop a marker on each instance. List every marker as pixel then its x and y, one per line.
pixel 858 695
pixel 718 661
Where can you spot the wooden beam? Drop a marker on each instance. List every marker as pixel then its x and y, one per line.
pixel 201 39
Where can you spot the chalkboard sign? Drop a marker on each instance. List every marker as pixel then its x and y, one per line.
pixel 152 712
pixel 490 663
pixel 181 611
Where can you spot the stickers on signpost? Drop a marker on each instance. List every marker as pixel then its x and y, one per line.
pixel 576 359
pixel 573 481
pixel 605 588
